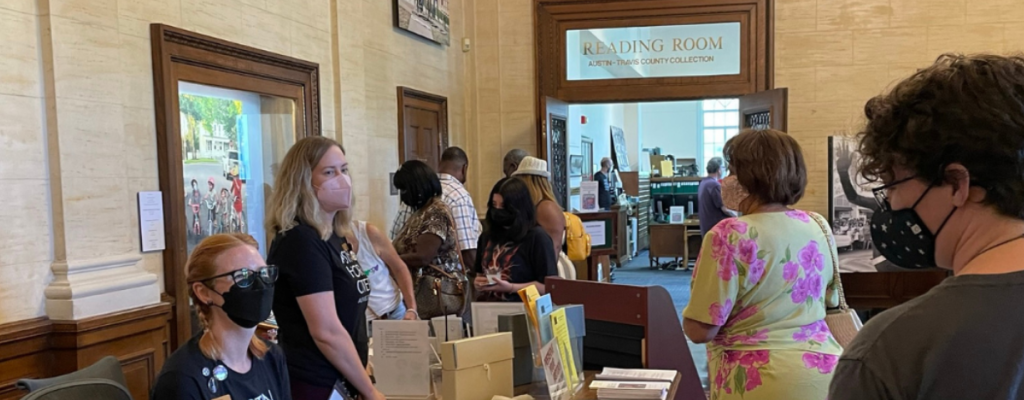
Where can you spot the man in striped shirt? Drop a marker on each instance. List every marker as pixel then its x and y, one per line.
pixel 452 172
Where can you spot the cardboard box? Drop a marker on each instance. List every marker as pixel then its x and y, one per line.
pixel 477 368
pixel 522 365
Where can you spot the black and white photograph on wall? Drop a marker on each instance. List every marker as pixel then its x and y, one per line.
pixel 426 18
pixel 851 205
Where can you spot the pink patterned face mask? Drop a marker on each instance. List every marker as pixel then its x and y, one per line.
pixel 733 193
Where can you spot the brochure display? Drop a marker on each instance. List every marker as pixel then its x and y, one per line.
pixel 556 337
pixel 523 363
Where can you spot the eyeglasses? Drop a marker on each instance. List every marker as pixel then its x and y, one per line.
pixel 881 198
pixel 244 278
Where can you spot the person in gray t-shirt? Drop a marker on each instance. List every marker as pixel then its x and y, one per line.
pixel 948 144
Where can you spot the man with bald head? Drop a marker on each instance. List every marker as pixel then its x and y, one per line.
pixel 512 160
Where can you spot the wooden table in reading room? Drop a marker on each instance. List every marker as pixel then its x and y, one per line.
pixel 674 240
pixel 585 393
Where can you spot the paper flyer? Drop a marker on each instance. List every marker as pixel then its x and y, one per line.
pixel 401 352
pixel 544 309
pixel 553 371
pixel 529 295
pixel 588 197
pixel 560 326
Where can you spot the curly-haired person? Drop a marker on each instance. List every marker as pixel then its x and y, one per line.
pixel 947 148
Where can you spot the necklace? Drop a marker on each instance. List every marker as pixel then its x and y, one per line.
pixel 993 247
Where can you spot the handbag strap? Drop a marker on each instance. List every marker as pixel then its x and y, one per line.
pixel 835 264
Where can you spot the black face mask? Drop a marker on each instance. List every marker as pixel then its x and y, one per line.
pixel 248 307
pixel 500 217
pixel 504 224
pixel 903 238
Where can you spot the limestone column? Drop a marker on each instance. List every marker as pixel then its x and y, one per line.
pixel 93 132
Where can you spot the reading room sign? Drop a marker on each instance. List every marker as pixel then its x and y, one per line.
pixel 653 51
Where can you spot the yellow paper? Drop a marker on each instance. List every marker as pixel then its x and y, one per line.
pixel 560 326
pixel 529 295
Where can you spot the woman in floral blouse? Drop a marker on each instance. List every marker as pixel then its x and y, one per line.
pixel 763 280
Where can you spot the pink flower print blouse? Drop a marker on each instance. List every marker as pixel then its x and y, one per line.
pixel 766 280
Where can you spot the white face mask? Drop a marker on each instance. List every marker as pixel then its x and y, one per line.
pixel 733 194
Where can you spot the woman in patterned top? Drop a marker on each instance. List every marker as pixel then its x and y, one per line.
pixel 429 236
pixel 763 281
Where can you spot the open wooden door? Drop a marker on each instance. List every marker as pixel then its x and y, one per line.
pixel 553 145
pixel 764 110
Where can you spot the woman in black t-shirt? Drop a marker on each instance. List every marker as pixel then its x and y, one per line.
pixel 320 304
pixel 514 252
pixel 232 289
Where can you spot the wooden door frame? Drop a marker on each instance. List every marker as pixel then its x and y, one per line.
pixel 554 17
pixel 766 101
pixel 442 122
pixel 178 53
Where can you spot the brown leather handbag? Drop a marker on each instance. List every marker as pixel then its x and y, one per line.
pixel 440 293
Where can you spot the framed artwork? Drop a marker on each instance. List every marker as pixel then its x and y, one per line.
pixel 424 18
pixel 851 206
pixel 226 116
pixel 619 149
pixel 576 165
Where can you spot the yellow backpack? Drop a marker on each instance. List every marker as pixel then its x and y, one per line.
pixel 577 240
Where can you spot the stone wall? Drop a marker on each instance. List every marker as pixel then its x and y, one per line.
pixel 835 55
pixel 78 138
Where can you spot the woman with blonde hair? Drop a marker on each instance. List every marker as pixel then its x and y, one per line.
pixel 232 289
pixel 534 172
pixel 321 299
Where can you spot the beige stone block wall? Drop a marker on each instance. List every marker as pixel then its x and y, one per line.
pixel 25 239
pixel 375 58
pixel 101 118
pixel 835 55
pixel 502 96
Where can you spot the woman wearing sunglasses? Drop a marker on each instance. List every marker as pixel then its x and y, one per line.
pixel 232 289
pixel 321 300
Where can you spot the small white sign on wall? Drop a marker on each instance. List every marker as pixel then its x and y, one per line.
pixel 151 221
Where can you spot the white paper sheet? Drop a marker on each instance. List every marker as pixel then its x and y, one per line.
pixel 596 231
pixel 454 328
pixel 485 316
pixel 588 197
pixel 621 374
pixel 401 357
pixel 151 221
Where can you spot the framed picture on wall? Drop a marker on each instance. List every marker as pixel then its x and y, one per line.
pixel 851 206
pixel 424 18
pixel 576 165
pixel 227 115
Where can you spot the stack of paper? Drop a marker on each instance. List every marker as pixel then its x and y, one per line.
pixel 615 390
pixel 644 375
pixel 630 384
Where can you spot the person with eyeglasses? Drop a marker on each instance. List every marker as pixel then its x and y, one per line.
pixel 233 290
pixel 321 300
pixel 946 148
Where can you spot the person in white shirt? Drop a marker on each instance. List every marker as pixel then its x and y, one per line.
pixel 452 172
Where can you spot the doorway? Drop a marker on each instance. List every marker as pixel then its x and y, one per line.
pixel 637 136
pixel 422 126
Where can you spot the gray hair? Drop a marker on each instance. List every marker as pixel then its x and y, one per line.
pixel 515 156
pixel 715 165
